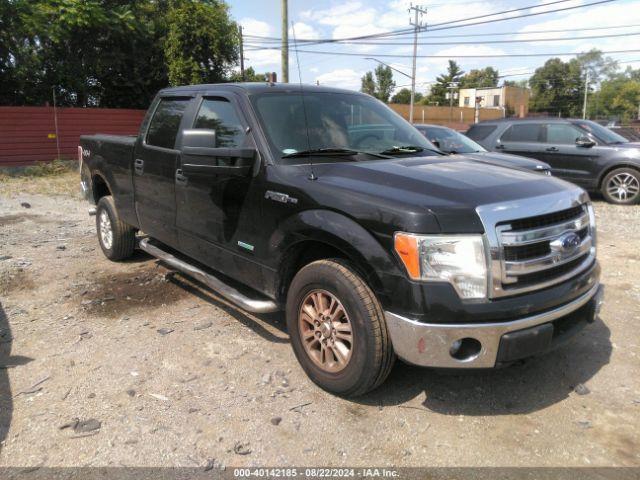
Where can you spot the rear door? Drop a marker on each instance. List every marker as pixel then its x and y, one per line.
pixel 522 139
pixel 577 164
pixel 155 163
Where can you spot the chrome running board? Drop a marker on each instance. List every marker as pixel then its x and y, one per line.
pixel 228 292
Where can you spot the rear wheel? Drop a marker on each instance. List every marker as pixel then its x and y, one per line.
pixel 116 238
pixel 622 186
pixel 337 329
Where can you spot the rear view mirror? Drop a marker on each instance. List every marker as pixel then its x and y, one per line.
pixel 585 142
pixel 199 138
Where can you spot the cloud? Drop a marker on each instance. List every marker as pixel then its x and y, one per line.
pixel 303 31
pixel 599 16
pixel 252 26
pixel 342 77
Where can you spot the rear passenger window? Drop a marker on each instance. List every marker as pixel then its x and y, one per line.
pixel 480 132
pixel 562 133
pixel 219 114
pixel 165 123
pixel 526 132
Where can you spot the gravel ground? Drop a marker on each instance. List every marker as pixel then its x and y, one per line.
pixel 128 364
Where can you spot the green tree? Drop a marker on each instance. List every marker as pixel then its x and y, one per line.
pixel 112 53
pixel 404 96
pixel 557 88
pixel 618 97
pixel 438 93
pixel 202 42
pixel 479 78
pixel 368 84
pixel 250 75
pixel 383 84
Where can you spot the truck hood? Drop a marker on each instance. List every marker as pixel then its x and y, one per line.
pixel 506 160
pixel 425 194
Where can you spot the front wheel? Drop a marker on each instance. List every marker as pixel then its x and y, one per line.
pixel 622 186
pixel 337 329
pixel 116 238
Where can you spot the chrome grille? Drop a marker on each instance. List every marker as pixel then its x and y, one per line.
pixel 536 244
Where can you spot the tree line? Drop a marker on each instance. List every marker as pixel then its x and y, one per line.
pixel 112 53
pixel 557 87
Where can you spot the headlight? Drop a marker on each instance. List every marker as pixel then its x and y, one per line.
pixel 592 227
pixel 457 259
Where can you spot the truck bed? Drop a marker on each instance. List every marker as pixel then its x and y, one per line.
pixel 110 157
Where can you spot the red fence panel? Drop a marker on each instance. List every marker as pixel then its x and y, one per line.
pixel 28 134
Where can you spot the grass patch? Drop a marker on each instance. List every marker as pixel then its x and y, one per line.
pixel 59 177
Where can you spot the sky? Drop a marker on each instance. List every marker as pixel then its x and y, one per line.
pixel 349 18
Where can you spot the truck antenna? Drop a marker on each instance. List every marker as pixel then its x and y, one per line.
pixel 312 175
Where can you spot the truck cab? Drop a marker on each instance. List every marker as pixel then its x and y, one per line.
pixel 325 204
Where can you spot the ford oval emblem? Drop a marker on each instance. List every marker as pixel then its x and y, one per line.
pixel 566 243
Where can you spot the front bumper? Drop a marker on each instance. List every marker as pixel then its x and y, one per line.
pixel 486 345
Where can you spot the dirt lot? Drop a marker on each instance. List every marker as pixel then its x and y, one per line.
pixel 126 364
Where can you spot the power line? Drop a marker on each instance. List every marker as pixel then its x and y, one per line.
pixel 506 55
pixel 445 25
pixel 497 13
pixel 442 26
pixel 553 39
pixel 466 35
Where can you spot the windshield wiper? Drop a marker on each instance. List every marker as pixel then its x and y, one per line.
pixel 402 149
pixel 331 151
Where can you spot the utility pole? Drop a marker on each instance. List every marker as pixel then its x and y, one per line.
pixel 417 26
pixel 586 90
pixel 451 87
pixel 241 54
pixel 285 42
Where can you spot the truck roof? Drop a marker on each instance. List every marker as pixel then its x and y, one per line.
pixel 256 87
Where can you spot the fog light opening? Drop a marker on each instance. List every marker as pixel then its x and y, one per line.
pixel 465 349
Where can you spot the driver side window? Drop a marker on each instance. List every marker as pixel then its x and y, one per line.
pixel 219 114
pixel 561 133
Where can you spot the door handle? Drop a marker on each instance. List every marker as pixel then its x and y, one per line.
pixel 553 149
pixel 138 166
pixel 180 178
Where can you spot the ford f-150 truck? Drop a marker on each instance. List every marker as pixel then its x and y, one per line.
pixel 327 205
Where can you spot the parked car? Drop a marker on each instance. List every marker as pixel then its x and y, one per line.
pixel 279 197
pixel 580 151
pixel 451 142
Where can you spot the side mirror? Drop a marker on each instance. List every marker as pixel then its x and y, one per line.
pixel 584 142
pixel 199 138
pixel 436 143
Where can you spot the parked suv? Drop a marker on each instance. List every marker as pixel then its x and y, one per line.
pixel 580 151
pixel 451 142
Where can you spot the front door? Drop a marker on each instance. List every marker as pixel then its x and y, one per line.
pixel 569 161
pixel 154 165
pixel 218 214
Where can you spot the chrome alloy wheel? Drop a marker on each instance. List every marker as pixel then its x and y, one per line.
pixel 623 186
pixel 325 331
pixel 106 232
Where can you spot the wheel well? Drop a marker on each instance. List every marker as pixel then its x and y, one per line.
pixel 309 251
pixel 99 187
pixel 615 167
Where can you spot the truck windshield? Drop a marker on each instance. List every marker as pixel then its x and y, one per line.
pixel 322 121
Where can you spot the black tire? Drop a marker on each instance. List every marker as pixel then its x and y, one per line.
pixel 622 186
pixel 123 236
pixel 372 356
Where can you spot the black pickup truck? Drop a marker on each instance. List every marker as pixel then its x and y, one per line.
pixel 326 204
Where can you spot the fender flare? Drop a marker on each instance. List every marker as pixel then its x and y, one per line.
pixel 340 232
